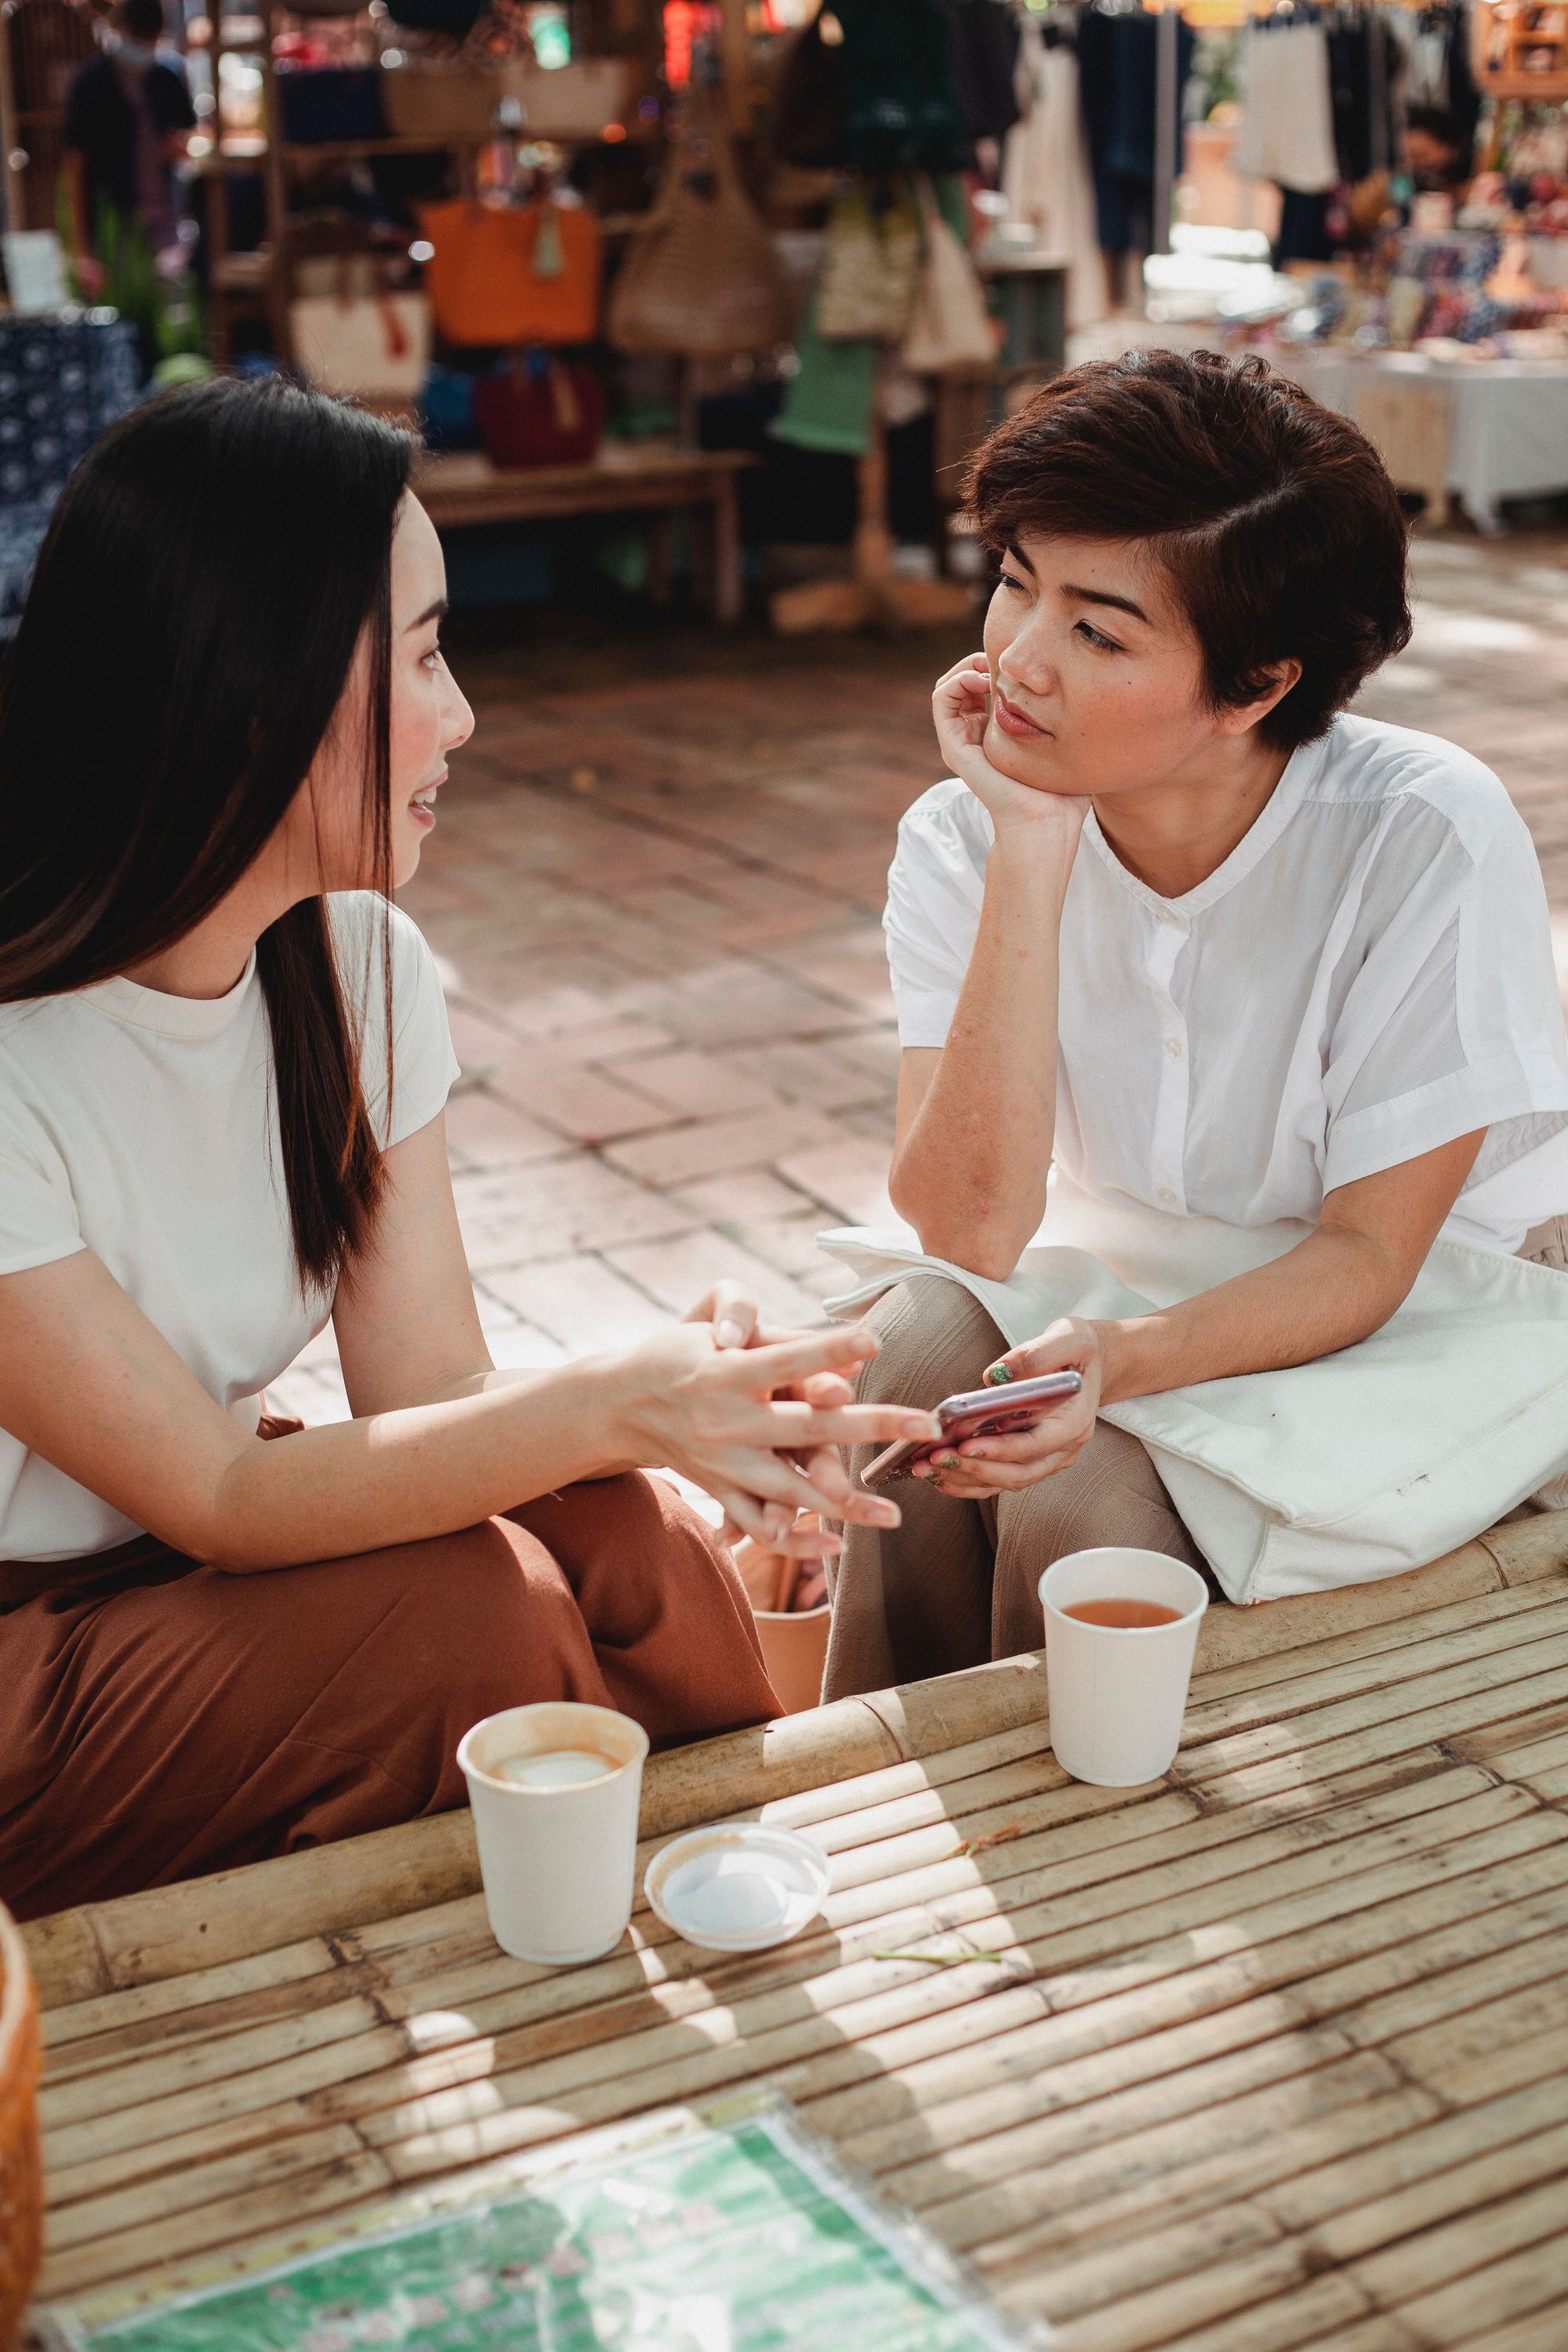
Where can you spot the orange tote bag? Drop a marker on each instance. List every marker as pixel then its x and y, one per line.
pixel 514 273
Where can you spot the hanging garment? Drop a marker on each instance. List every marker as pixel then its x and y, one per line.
pixel 1304 232
pixel 808 102
pixel 985 56
pixel 949 326
pixel 1366 65
pixel 901 110
pixel 1118 79
pixel 828 404
pixel 1045 171
pixel 1287 114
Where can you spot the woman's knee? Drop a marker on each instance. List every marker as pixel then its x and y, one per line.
pixel 934 1339
pixel 476 1613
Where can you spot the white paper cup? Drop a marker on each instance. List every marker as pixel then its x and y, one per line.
pixel 558 1864
pixel 1117 1693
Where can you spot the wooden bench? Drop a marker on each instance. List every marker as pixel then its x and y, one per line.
pixel 1269 2054
pixel 463 488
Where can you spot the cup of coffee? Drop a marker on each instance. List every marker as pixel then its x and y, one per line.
pixel 1121 1630
pixel 555 1790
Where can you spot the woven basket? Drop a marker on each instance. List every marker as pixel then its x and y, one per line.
pixel 701 277
pixel 21 2172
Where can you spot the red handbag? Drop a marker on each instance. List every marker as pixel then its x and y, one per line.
pixel 538 410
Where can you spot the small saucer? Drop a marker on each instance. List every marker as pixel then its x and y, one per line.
pixel 739 1888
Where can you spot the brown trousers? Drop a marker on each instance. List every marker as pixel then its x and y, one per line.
pixel 956 1584
pixel 160 1719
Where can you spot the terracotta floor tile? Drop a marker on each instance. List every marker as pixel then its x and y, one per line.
pixel 678 1272
pixel 482 1131
pixel 679 1155
pixel 699 1086
pixel 848 1176
pixel 742 1197
pixel 515 1344
pixel 818 1075
pixel 584 1304
pixel 554 1207
pixel 580 1101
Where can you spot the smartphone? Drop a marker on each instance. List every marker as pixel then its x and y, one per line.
pixel 1004 1412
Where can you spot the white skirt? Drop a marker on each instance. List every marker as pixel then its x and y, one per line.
pixel 1367 1462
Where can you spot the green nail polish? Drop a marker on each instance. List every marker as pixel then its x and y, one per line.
pixel 998 1376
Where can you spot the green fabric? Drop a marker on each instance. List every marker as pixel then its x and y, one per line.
pixel 952 203
pixel 828 407
pixel 900 109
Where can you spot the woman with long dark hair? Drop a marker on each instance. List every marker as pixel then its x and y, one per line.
pixel 224 1062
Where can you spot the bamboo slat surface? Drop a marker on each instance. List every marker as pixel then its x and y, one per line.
pixel 1273 2053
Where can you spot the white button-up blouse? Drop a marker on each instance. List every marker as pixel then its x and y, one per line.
pixel 1368 975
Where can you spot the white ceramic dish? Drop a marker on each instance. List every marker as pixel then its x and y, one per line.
pixel 737 1888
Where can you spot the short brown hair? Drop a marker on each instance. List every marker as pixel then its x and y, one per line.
pixel 1273 516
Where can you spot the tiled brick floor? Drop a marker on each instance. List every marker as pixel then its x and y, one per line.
pixel 654 891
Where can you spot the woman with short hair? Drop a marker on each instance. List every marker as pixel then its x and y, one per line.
pixel 1272 986
pixel 224 1066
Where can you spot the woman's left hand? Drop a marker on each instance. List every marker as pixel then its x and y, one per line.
pixel 981 1468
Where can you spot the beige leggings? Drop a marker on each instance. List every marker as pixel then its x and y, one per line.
pixel 955 1584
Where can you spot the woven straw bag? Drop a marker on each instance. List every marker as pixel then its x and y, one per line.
pixel 21 2172
pixel 870 270
pixel 701 279
pixel 949 326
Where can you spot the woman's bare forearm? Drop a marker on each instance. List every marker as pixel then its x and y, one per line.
pixel 420 1470
pixel 970 1175
pixel 1330 1290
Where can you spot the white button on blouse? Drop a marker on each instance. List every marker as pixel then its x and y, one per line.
pixel 1367 976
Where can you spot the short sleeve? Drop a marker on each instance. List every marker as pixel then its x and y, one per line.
pixel 1453 1021
pixel 171 103
pixel 935 888
pixel 424 1065
pixel 38 1221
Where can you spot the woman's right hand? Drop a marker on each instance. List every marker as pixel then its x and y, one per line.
pixel 960 704
pixel 718 1416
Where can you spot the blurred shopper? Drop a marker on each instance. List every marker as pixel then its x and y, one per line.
pixel 1272 986
pixel 224 1065
pixel 127 119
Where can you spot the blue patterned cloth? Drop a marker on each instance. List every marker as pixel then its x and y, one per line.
pixel 62 381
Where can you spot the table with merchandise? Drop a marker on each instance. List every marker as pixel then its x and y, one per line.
pixel 463 488
pixel 1269 2052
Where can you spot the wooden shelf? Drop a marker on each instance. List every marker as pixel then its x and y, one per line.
pixel 244 273
pixel 306 150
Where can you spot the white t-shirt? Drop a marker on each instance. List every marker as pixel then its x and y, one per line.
pixel 1367 976
pixel 143 1127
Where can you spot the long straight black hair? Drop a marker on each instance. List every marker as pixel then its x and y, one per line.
pixel 190 626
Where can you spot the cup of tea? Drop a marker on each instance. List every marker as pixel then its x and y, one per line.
pixel 1121 1630
pixel 555 1789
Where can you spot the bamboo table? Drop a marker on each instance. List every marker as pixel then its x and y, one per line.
pixel 1271 2054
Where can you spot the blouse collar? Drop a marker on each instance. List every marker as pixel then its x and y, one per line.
pixel 1301 770
pixel 188 1018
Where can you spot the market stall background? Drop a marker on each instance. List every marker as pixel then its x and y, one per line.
pixel 834 242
